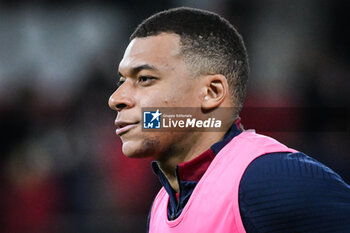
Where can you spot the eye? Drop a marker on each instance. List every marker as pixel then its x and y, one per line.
pixel 146 80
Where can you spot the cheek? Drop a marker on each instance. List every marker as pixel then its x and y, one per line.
pixel 170 94
pixel 158 98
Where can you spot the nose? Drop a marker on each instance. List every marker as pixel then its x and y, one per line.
pixel 121 99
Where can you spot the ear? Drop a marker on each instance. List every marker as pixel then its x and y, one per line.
pixel 215 91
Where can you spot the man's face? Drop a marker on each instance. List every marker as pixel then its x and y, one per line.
pixel 153 74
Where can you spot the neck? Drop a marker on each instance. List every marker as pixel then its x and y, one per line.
pixel 186 150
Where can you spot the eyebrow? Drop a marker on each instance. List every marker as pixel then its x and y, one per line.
pixel 137 69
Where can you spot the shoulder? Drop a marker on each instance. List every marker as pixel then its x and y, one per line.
pixel 292 192
pixel 289 165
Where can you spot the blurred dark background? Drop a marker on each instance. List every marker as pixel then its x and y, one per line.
pixel 61 164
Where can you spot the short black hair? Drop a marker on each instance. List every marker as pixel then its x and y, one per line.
pixel 208 42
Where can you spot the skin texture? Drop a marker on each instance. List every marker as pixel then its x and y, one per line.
pixel 154 74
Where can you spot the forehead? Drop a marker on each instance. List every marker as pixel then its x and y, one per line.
pixel 159 50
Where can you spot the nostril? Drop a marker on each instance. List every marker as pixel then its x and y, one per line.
pixel 120 106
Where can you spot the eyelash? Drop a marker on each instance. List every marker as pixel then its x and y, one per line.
pixel 144 78
pixel 140 79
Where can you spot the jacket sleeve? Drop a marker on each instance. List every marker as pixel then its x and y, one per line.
pixel 292 192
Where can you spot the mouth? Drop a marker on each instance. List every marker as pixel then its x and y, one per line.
pixel 123 126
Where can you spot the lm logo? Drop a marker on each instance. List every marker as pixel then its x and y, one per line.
pixel 151 119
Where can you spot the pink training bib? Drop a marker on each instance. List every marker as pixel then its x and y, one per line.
pixel 213 206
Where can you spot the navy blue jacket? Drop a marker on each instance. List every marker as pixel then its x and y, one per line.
pixel 279 192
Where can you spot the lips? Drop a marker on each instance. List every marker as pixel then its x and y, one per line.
pixel 123 126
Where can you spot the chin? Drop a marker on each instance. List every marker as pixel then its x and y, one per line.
pixel 141 149
pixel 131 150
